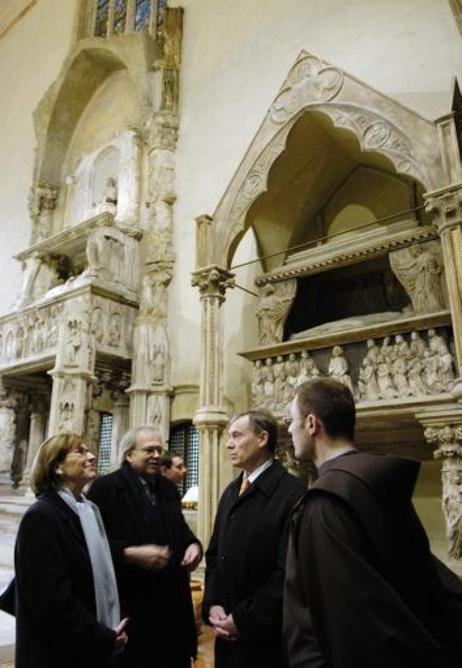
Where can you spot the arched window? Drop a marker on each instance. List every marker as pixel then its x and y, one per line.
pixel 184 441
pixel 105 440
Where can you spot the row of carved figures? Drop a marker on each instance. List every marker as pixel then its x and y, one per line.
pixel 396 369
pixel 406 368
pixel 31 334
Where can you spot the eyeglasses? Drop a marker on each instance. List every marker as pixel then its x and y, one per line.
pixel 150 450
pixel 81 450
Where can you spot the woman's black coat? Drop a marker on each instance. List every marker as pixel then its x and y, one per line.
pixel 55 600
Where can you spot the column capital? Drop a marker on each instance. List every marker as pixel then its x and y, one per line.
pixel 213 281
pixel 447 438
pixel 446 206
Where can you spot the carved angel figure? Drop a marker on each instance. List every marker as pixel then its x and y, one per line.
pixel 386 387
pixel 338 367
pixel 420 269
pixel 271 313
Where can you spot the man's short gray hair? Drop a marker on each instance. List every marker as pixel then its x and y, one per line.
pixel 128 440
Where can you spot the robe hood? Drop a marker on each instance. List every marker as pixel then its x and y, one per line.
pixel 391 479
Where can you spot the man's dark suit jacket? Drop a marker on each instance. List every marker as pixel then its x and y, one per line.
pixel 162 629
pixel 245 566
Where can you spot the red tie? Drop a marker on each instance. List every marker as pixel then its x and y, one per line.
pixel 245 484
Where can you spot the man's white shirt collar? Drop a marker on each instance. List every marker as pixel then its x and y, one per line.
pixel 254 475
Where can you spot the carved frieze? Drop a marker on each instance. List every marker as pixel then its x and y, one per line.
pixel 112 325
pixel 31 334
pixel 399 367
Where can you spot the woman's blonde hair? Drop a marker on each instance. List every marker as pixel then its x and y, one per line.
pixel 52 452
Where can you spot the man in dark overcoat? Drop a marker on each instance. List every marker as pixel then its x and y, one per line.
pixel 362 587
pixel 245 559
pixel 154 550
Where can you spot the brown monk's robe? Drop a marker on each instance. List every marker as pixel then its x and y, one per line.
pixel 362 587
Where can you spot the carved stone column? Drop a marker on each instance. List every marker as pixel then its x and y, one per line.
pixel 211 417
pixel 150 392
pixel 448 439
pixel 73 373
pixel 8 401
pixel 446 206
pixel 120 417
pixel 37 427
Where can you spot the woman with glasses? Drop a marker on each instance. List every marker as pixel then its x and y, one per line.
pixel 67 605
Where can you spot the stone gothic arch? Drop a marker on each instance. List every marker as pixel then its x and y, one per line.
pixel 86 68
pixel 380 124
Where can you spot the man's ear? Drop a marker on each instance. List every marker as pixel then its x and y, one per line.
pixel 263 437
pixel 311 424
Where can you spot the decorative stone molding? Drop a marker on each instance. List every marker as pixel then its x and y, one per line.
pixel 331 257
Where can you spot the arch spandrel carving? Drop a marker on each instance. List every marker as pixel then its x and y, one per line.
pixel 380 125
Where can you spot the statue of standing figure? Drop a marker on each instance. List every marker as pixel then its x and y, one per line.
pixel 338 367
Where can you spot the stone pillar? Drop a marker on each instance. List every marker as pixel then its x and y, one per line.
pixel 211 418
pixel 120 416
pixel 446 207
pixel 8 401
pixel 37 427
pixel 448 439
pixel 73 373
pixel 151 390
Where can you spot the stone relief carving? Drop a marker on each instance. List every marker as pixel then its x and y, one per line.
pixel 406 368
pixel 42 203
pixel 400 367
pixel 339 367
pixel 309 81
pixel 272 310
pixel 111 326
pixel 29 334
pixel 112 257
pixel 420 270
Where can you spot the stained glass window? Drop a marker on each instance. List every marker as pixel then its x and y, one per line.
pixel 184 441
pixel 120 15
pixel 161 4
pixel 142 14
pixel 102 13
pixel 105 439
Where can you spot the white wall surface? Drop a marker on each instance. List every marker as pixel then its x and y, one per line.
pixel 31 54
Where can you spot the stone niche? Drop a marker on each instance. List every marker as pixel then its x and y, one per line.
pixel 106 180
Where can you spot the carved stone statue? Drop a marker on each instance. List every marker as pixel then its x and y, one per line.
pixel 292 376
pixel 257 384
pixel 115 329
pixel 419 269
pixel 41 205
pixel 110 200
pixel 338 367
pixel 384 381
pixel 440 363
pixel 272 311
pixel 368 389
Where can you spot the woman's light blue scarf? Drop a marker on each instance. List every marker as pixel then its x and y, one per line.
pixel 107 598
